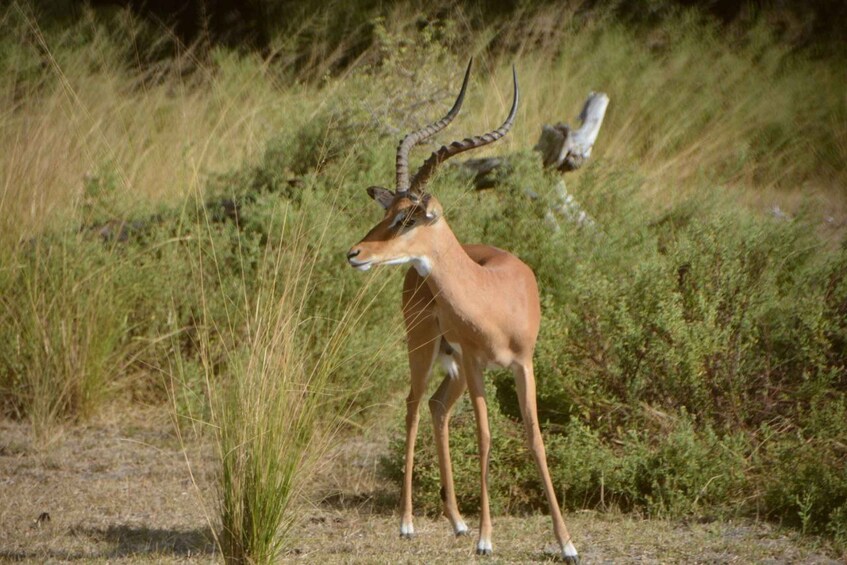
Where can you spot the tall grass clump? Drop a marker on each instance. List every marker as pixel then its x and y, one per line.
pixel 266 417
pixel 63 331
pixel 271 369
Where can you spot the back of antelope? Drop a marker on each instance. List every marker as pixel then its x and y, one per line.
pixel 468 306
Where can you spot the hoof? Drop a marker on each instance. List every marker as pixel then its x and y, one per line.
pixel 483 547
pixel 569 554
pixel 407 531
pixel 461 530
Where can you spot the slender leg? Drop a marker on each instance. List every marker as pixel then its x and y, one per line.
pixel 421 356
pixel 423 338
pixel 473 374
pixel 525 385
pixel 441 406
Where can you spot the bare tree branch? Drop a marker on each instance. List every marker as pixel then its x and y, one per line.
pixel 566 149
pixel 561 147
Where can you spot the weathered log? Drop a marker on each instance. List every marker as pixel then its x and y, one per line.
pixel 561 147
pixel 566 149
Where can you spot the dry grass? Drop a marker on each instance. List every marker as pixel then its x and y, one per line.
pixel 89 119
pixel 686 106
pixel 118 490
pixel 691 109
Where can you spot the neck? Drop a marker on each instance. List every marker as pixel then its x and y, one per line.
pixel 451 272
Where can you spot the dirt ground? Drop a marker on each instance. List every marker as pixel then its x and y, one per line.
pixel 119 490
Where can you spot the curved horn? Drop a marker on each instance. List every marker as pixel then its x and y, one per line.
pixel 416 137
pixel 425 172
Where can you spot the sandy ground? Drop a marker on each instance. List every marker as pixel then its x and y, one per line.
pixel 119 490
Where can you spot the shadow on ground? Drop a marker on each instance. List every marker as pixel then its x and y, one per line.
pixel 126 541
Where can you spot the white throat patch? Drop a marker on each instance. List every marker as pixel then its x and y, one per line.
pixel 422 266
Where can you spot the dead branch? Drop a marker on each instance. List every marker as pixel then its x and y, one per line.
pixel 566 149
pixel 561 147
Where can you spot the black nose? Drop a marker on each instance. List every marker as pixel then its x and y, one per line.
pixel 353 252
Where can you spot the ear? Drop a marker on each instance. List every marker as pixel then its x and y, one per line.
pixel 430 207
pixel 382 195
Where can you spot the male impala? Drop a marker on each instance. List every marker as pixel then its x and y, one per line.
pixel 471 306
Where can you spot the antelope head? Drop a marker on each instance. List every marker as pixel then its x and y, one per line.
pixel 413 216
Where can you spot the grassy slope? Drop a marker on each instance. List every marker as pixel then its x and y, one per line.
pixel 686 107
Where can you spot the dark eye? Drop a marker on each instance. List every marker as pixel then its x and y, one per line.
pixel 409 221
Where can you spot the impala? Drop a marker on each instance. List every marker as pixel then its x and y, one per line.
pixel 469 306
